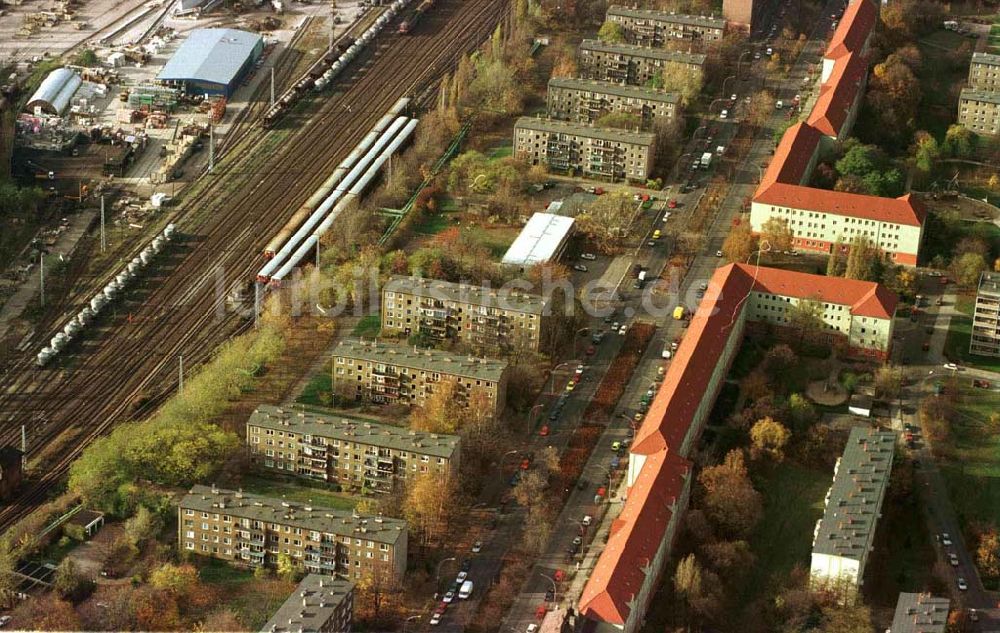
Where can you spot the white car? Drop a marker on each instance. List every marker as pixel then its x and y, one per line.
pixel 953 559
pixel 448 597
pixel 951 366
pixel 462 575
pixel 962 585
pixel 946 539
pixel 623 329
pixel 718 253
pixel 477 547
pixel 588 256
pixel 435 619
pixel 587 519
pixel 532 628
pixel 733 98
pixel 4 620
pixel 724 114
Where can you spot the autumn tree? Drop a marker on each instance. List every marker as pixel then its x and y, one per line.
pixel 988 553
pixel 611 32
pixel 607 220
pixel 865 260
pixel 70 583
pixel 740 244
pixel 289 568
pixel 769 437
pixel 837 618
pixel 730 498
pixel 682 79
pixel 620 120
pixel 730 559
pixel 441 411
pixel 47 612
pixel 430 504
pixel 806 316
pixel 377 592
pixel 777 233
pixel 967 268
pixel 530 487
pixel 143 525
pixel 801 412
pixel 925 151
pixel 959 141
pixel 888 382
pixel 760 109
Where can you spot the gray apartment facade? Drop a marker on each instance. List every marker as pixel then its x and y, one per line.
pixel 592 151
pixel 630 64
pixel 319 604
pixel 985 339
pixel 647 27
pixel 585 100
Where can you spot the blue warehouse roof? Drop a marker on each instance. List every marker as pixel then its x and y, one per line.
pixel 211 56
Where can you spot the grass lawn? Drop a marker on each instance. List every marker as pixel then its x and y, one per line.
pixel 368 326
pixel 299 491
pixel 956 346
pixel 783 538
pixel 502 151
pixel 973 469
pixel 496 240
pixel 433 224
pixel 252 600
pixel 319 388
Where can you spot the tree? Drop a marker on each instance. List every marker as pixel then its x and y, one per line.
pixel 620 120
pixel 925 151
pixel 740 243
pixel 142 525
pixel 683 79
pixel 376 591
pixel 178 580
pixel 968 268
pixel 776 232
pixel 441 411
pixel 430 503
pixel 835 265
pixel 611 32
pixel 864 260
pixel 606 221
pixel 769 437
pixel 69 583
pixel 289 568
pixel 888 382
pixel 988 553
pixel 806 316
pixel 959 141
pixel 839 618
pixel 730 559
pixel 730 498
pixel 779 360
pixel 530 487
pixel 760 109
pixel 47 612
pixel 87 57
pixel 801 412
pixel 687 577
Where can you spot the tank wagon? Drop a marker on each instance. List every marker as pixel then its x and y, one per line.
pixel 78 323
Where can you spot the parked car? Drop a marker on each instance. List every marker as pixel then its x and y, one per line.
pixel 591 350
pixel 616 446
pixel 532 628
pixel 945 539
pixel 588 256
pixel 718 253
pixel 623 329
pixel 435 619
pixel 951 366
pixel 448 597
pixel 544 431
pixel 953 559
pixel 477 547
pixel 962 585
pixel 587 519
pixel 580 268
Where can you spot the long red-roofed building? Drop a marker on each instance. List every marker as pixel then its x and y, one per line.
pixel 820 219
pixel 861 313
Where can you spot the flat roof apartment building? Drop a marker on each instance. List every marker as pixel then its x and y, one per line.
pixel 251 529
pixel 920 613
pixel 319 604
pixel 979 110
pixel 986 318
pixel 630 64
pixel 647 27
pixel 585 100
pixel 353 452
pixel 385 373
pixel 592 151
pixel 485 318
pixel 845 534
pixel 984 72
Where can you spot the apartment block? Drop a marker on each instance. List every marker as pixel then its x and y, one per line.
pixel 585 100
pixel 255 530
pixel 485 318
pixel 350 451
pixel 319 604
pixel 630 64
pixel 920 613
pixel 592 151
pixel 398 374
pixel 979 110
pixel 647 27
pixel 984 72
pixel 986 319
pixel 844 536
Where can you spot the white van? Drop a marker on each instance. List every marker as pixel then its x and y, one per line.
pixel 779 105
pixel 466 591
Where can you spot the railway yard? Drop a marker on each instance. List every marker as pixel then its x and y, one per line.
pixel 222 229
pixel 498 316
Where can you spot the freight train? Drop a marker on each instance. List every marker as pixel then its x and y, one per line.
pixel 410 22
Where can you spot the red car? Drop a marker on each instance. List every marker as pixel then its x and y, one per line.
pixel 672 204
pixel 590 350
pixel 525 464
pixel 544 431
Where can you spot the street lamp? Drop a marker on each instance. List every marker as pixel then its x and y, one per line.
pixel 531 414
pixel 739 62
pixel 437 573
pixel 711 106
pixel 553 581
pixel 724 93
pixel 576 338
pixel 408 620
pixel 503 458
pixel 552 374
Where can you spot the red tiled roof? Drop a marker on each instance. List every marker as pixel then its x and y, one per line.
pixel 686 381
pixel 636 537
pixel 905 209
pixel 866 298
pixel 792 155
pixel 854 28
pixel 839 94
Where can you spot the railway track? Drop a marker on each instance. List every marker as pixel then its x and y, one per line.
pixel 182 311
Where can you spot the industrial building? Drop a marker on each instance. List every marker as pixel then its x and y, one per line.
pixel 647 27
pixel 484 318
pixel 598 152
pixel 585 100
pixel 621 586
pixel 353 452
pixel 920 613
pixel 319 604
pixel 986 319
pixel 543 239
pixel 254 530
pixel 630 64
pixel 213 61
pixel 55 92
pixel 398 374
pixel 845 534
